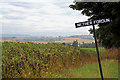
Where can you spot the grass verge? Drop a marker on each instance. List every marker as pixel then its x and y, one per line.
pixel 110 70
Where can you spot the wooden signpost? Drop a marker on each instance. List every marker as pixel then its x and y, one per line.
pixel 93 22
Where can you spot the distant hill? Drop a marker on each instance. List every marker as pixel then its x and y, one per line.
pixel 89 37
pixel 14 35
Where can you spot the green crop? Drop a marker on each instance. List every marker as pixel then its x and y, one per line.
pixel 31 60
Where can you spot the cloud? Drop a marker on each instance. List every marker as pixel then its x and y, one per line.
pixel 45 1
pixel 22 4
pixel 34 17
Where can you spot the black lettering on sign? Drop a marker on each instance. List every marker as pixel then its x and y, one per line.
pixel 88 23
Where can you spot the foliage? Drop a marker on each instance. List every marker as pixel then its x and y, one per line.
pixel 108 33
pixel 75 43
pixel 30 60
pixel 111 54
pixel 87 45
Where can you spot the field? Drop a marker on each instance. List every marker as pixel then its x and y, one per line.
pixel 70 40
pixel 30 60
pixel 93 49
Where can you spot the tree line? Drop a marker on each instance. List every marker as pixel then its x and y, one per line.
pixel 83 45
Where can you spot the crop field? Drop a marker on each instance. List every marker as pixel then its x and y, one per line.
pixel 70 40
pixel 31 60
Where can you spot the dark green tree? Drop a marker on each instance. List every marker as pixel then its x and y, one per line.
pixel 63 43
pixel 108 34
pixel 75 43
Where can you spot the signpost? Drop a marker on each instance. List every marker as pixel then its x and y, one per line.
pixel 93 22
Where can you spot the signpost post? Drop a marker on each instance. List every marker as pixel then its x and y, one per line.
pixel 93 22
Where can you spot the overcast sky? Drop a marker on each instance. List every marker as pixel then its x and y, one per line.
pixel 40 17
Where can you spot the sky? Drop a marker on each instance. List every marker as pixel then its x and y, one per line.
pixel 40 18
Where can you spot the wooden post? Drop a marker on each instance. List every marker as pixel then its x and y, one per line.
pixel 97 50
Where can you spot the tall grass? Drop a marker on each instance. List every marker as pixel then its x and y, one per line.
pixel 111 54
pixel 109 68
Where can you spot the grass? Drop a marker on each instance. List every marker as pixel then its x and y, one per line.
pixel 93 49
pixel 110 70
